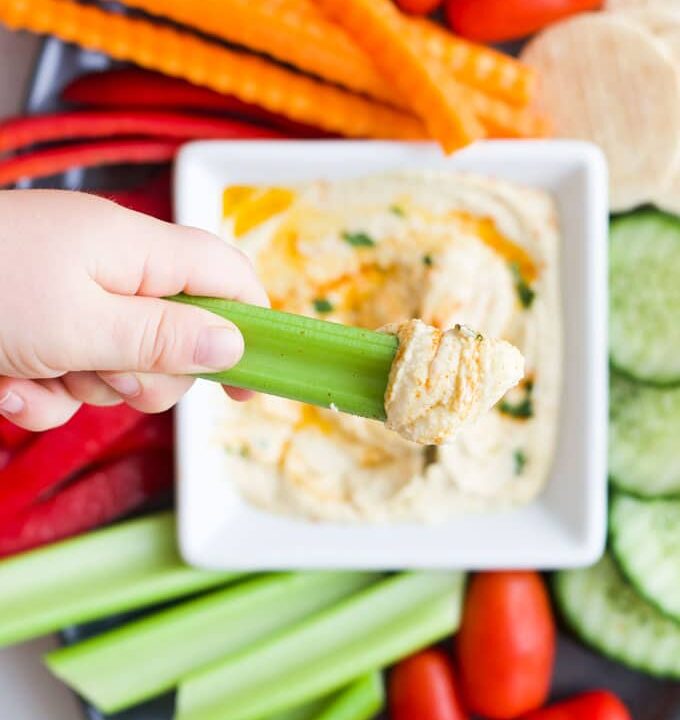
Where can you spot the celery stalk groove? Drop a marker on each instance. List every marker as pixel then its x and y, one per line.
pixel 305 359
pixel 364 633
pixel 126 566
pixel 144 658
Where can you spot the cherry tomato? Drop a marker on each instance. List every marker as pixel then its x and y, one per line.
pixel 506 644
pixel 499 20
pixel 423 687
pixel 595 705
pixel 418 7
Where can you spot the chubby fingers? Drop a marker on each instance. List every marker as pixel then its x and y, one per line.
pixel 145 392
pixel 149 393
pixel 151 335
pixel 89 388
pixel 238 394
pixel 44 404
pixel 157 259
pixel 36 404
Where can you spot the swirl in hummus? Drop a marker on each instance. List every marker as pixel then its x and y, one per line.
pixel 450 249
pixel 439 381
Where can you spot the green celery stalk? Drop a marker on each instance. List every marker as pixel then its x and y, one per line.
pixel 308 711
pixel 361 700
pixel 126 566
pixel 313 361
pixel 374 628
pixel 145 658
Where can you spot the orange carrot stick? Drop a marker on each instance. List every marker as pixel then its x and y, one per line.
pixel 293 31
pixel 500 119
pixel 297 32
pixel 377 26
pixel 486 69
pixel 180 54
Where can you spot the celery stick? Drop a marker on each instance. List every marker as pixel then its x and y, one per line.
pixel 361 700
pixel 126 566
pixel 368 631
pixel 145 658
pixel 305 359
pixel 308 711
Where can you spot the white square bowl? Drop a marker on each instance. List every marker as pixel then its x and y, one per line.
pixel 564 526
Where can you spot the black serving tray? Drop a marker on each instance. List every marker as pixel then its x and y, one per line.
pixel 578 668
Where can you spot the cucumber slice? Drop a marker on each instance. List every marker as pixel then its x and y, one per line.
pixel 644 438
pixel 644 286
pixel 646 544
pixel 607 614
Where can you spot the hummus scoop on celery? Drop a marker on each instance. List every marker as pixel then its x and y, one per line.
pixel 423 382
pixel 456 251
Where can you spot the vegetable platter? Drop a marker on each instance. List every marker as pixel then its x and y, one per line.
pixel 576 666
pixel 621 607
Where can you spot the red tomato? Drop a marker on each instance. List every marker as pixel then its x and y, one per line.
pixel 419 7
pixel 422 687
pixel 506 644
pixel 595 705
pixel 498 20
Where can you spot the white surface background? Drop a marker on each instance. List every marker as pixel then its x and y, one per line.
pixel 27 690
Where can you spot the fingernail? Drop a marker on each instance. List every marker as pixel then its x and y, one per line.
pixel 11 403
pixel 218 348
pixel 126 384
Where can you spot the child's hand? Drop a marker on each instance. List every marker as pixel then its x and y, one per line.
pixel 80 314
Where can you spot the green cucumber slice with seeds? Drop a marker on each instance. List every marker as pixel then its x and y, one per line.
pixel 644 438
pixel 644 286
pixel 645 540
pixel 607 614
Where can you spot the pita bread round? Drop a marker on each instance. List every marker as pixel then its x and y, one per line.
pixel 606 80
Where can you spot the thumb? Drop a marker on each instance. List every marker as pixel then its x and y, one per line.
pixel 152 335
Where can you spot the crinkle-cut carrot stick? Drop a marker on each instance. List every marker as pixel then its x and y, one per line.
pixel 180 54
pixel 297 32
pixel 492 72
pixel 501 119
pixel 378 28
pixel 293 31
pixel 489 70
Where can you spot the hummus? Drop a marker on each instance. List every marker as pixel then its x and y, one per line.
pixel 450 249
pixel 439 381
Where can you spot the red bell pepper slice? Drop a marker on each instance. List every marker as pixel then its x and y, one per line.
pixel 153 432
pixel 51 161
pixel 137 88
pixel 94 499
pixel 5 457
pixel 56 455
pixel 154 198
pixel 19 132
pixel 12 436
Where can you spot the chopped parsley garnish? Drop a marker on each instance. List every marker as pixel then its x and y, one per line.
pixel 428 261
pixel 358 239
pixel 321 305
pixel 525 292
pixel 520 461
pixel 397 210
pixel 521 410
